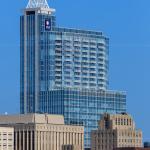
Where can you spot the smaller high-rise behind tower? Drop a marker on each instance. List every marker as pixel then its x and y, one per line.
pixel 116 131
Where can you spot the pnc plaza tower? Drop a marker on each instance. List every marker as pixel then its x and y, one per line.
pixel 64 71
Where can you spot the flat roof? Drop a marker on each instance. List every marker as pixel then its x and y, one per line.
pixel 32 119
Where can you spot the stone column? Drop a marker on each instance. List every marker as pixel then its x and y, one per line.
pixel 16 141
pixel 27 140
pixel 23 140
pixel 19 139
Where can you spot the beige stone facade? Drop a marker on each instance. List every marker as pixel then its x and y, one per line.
pixel 6 138
pixel 116 131
pixel 44 132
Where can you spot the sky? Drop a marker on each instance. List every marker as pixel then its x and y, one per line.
pixel 125 22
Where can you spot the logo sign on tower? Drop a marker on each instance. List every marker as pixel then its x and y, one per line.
pixel 47 25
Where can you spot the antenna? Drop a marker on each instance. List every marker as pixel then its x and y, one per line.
pixel 37 4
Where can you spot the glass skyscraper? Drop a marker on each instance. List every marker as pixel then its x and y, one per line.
pixel 64 71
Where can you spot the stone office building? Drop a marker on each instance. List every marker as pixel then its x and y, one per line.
pixel 44 132
pixel 116 131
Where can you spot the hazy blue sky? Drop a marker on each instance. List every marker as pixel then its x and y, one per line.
pixel 125 22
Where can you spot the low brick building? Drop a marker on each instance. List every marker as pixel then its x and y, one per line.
pixel 147 144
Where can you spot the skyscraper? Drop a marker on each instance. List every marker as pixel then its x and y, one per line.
pixel 64 71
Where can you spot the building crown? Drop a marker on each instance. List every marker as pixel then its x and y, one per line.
pixel 37 4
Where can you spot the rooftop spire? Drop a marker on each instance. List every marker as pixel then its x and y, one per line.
pixel 37 4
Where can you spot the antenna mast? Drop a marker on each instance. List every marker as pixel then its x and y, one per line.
pixel 37 4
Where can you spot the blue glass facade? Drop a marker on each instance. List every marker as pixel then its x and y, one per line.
pixel 65 71
pixel 82 107
pixel 53 57
pixel 37 55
